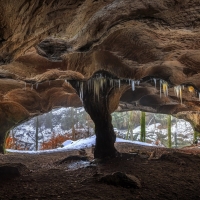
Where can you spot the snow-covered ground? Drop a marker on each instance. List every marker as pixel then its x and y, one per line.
pixel 182 131
pixel 79 144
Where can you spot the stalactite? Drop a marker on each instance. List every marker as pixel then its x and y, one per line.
pixel 133 85
pixel 101 83
pixel 165 88
pixel 154 79
pixel 81 90
pixel 160 88
pixel 105 82
pixel 88 85
pixel 97 89
pixel 110 82
pixel 178 92
pixel 191 89
pixel 65 81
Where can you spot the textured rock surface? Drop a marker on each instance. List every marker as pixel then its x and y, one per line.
pixel 12 170
pixel 42 43
pixel 121 179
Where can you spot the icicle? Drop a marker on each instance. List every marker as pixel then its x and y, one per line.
pixel 183 87
pixel 88 85
pixel 138 82
pixel 129 81
pixel 180 92
pixel 191 89
pixel 98 90
pixel 165 88
pixel 36 86
pixel 154 81
pixel 112 81
pixel 160 88
pixel 176 91
pixel 101 83
pixel 81 86
pixel 133 85
pixel 94 88
pixel 105 82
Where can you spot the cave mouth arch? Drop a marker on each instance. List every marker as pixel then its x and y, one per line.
pixel 56 126
pixel 142 96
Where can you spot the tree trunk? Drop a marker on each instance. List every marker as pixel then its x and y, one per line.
pixel 128 131
pixel 51 116
pixel 72 124
pixel 175 135
pixel 132 124
pixel 36 133
pixel 169 131
pixel 143 127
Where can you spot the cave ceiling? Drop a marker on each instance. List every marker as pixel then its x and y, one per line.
pixel 151 44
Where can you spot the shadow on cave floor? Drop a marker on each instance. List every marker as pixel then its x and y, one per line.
pixel 162 174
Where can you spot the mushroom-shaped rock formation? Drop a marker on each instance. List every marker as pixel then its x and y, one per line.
pixel 103 55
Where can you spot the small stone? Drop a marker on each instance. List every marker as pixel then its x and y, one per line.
pixel 11 170
pixel 121 179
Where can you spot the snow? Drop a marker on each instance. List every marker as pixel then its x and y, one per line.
pixel 134 142
pixel 76 145
pixel 25 133
pixel 67 142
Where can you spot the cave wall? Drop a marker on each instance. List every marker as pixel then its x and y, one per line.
pixel 44 43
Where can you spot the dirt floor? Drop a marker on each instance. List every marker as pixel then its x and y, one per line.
pixel 162 174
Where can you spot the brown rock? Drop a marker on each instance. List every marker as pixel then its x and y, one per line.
pixel 121 179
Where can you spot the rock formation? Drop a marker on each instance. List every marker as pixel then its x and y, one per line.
pixel 149 50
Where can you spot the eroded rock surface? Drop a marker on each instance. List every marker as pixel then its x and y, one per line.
pixel 43 43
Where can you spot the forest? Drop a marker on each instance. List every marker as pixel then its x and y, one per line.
pixel 50 130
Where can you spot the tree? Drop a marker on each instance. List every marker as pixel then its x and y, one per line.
pixel 130 125
pixel 36 132
pixel 143 127
pixel 48 120
pixel 169 131
pixel 72 124
pixel 55 141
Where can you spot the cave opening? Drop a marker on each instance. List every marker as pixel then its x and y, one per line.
pixel 63 126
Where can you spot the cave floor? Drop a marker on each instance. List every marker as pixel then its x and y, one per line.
pixel 163 174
